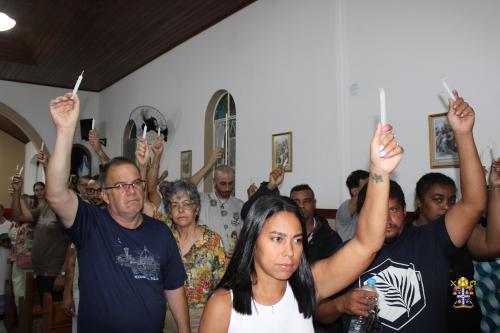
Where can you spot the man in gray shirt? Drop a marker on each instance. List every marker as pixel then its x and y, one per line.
pixel 347 218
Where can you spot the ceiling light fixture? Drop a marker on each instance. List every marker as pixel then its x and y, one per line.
pixel 6 23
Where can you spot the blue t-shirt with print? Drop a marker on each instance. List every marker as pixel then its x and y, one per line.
pixel 123 272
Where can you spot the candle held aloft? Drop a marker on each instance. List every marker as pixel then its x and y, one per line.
pixel 383 114
pixel 447 88
pixel 144 131
pixel 93 124
pixel 77 85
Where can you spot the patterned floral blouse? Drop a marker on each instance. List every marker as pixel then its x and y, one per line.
pixel 205 264
pixel 21 236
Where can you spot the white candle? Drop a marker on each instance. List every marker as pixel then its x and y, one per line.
pixel 21 170
pixel 159 129
pixel 223 142
pixel 77 85
pixel 492 154
pixel 144 131
pixel 447 88
pixel 43 146
pixel 17 168
pixel 93 123
pixel 383 114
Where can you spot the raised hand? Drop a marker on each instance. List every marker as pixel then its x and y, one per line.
pixel 41 158
pixel 141 152
pixel 216 154
pixel 385 151
pixel 251 190
pixel 460 115
pixel 94 139
pixel 495 173
pixel 157 146
pixel 17 182
pixel 65 111
pixel 276 177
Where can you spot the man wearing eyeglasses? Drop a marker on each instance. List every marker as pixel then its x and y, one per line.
pixel 129 263
pixel 94 193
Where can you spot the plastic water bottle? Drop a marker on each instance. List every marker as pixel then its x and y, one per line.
pixel 357 324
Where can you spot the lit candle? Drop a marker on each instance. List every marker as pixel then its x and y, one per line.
pixel 382 106
pixel 77 85
pixel 144 131
pixel 447 88
pixel 93 124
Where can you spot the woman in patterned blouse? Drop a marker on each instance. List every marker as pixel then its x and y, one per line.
pixel 201 249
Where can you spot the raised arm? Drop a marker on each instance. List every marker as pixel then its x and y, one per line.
pixel 198 176
pixel 463 216
pixel 95 142
pixel 20 212
pixel 65 112
pixel 341 269
pixel 152 177
pixel 484 243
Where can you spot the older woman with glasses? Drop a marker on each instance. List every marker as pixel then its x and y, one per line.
pixel 201 249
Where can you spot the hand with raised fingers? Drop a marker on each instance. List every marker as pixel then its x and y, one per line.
pixel 65 111
pixel 276 177
pixel 17 182
pixel 251 190
pixel 41 158
pixel 494 178
pixel 141 152
pixel 157 146
pixel 94 139
pixel 385 150
pixel 216 154
pixel 461 116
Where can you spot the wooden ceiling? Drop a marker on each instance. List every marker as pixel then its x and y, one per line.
pixel 54 40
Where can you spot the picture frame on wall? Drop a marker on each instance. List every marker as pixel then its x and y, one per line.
pixel 282 151
pixel 443 152
pixel 186 164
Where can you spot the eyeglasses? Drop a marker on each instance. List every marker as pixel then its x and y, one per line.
pixel 187 205
pixel 93 190
pixel 122 187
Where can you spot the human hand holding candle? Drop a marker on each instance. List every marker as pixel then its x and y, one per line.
pixel 383 115
pixel 385 152
pixel 77 85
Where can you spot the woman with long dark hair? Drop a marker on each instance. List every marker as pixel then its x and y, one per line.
pixel 269 285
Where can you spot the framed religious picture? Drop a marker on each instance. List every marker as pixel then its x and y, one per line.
pixel 282 151
pixel 186 164
pixel 443 152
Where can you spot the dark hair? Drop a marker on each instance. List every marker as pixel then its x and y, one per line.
pixel 117 161
pixel 301 187
pixel 395 192
pixel 430 179
pixel 42 184
pixel 35 199
pixel 239 273
pixel 179 187
pixel 354 178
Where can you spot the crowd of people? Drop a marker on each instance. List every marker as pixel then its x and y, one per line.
pixel 130 251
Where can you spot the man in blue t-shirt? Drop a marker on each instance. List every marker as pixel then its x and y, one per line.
pixel 412 268
pixel 129 263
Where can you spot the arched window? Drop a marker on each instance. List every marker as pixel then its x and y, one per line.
pixel 220 130
pixel 129 140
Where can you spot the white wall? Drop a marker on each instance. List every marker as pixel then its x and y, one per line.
pixel 289 65
pixel 31 102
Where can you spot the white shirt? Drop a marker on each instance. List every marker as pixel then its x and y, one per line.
pixel 283 316
pixel 223 217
